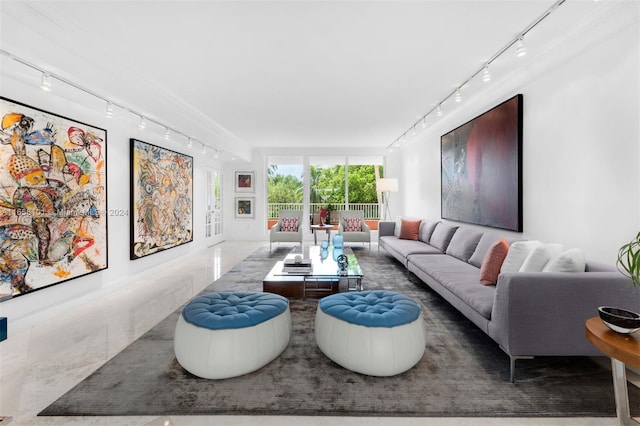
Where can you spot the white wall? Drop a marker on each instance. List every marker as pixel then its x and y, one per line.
pixel 581 138
pixel 74 104
pixel 246 229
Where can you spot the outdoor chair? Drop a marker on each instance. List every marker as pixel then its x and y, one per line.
pixel 288 229
pixel 353 227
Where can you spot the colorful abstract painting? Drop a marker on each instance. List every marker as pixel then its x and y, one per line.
pixel 482 169
pixel 53 199
pixel 161 199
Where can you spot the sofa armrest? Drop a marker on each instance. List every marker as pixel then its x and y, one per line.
pixel 543 313
pixel 365 228
pixel 275 228
pixel 386 228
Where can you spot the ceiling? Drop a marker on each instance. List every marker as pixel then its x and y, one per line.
pixel 256 74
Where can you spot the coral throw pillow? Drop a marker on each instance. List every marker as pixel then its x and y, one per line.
pixel 352 224
pixel 492 262
pixel 409 229
pixel 289 224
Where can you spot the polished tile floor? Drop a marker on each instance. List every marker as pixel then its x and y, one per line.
pixel 48 354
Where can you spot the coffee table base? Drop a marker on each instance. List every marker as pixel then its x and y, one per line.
pixel 302 287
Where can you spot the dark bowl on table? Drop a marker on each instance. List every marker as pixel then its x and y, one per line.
pixel 620 320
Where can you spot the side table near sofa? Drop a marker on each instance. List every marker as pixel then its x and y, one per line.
pixel 624 349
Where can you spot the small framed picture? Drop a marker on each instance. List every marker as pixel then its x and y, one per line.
pixel 245 181
pixel 244 207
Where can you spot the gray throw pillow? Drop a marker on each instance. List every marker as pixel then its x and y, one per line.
pixel 463 243
pixel 426 230
pixel 485 242
pixel 442 236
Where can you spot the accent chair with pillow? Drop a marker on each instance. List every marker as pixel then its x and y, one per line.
pixel 288 229
pixel 353 228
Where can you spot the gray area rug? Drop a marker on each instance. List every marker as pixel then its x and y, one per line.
pixel 463 373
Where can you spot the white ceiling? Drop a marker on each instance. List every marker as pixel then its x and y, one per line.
pixel 270 73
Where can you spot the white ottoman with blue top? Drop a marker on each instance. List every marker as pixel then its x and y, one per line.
pixel 222 335
pixel 378 332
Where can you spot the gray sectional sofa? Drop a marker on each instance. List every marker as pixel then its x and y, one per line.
pixel 526 313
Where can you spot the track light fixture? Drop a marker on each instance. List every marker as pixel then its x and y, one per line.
pixel 109 110
pixel 190 144
pixel 215 154
pixel 204 149
pixel 424 122
pixel 521 50
pixel 45 83
pixel 167 135
pixel 486 74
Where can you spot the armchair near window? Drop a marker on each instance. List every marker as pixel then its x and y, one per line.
pixel 288 229
pixel 353 227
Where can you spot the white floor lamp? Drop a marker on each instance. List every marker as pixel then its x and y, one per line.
pixel 386 186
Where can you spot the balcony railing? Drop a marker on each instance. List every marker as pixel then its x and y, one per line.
pixel 371 210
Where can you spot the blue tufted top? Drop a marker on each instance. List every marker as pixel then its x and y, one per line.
pixel 218 311
pixel 375 308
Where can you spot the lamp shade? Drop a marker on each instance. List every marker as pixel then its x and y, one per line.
pixel 387 185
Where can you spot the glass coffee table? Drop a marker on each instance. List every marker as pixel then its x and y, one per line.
pixel 323 277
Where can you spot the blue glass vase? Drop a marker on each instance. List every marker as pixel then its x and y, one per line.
pixel 337 241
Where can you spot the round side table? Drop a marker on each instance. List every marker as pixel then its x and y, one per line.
pixel 623 349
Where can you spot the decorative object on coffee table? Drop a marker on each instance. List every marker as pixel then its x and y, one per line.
pixel 378 332
pixel 222 335
pixel 343 264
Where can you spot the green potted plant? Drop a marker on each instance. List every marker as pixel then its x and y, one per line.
pixel 628 263
pixel 629 260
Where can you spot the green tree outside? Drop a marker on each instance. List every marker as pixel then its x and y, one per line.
pixel 326 185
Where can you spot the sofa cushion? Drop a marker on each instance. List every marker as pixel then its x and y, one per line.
pixel 460 278
pixel 492 262
pixel 571 260
pixel 426 230
pixel 516 255
pixel 540 256
pixel 442 235
pixel 463 243
pixel 405 248
pixel 409 229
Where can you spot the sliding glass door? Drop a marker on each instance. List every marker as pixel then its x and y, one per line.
pixel 336 183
